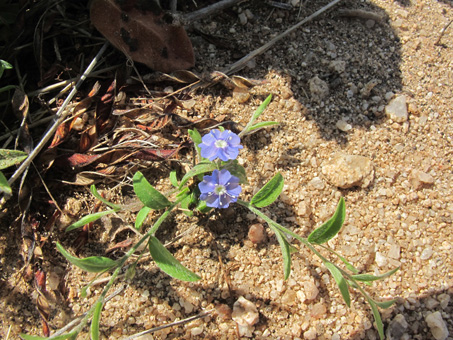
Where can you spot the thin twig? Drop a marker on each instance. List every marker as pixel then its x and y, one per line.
pixel 241 63
pixel 176 323
pixel 60 116
pixel 207 11
pixel 442 32
pixel 77 319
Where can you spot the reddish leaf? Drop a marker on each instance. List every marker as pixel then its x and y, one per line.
pixel 61 134
pixel 143 35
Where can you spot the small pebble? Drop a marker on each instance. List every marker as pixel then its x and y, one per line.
pixel 437 325
pixel 346 171
pixel 311 291
pixel 317 183
pixel 427 253
pixel 256 233
pixel 245 312
pixel 343 126
pixel 396 328
pixel 380 259
pixel 396 110
pixel 242 18
pixel 319 89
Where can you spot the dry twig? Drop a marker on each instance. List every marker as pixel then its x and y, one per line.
pixel 241 63
pixel 60 117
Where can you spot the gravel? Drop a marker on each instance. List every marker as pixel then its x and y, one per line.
pixel 401 215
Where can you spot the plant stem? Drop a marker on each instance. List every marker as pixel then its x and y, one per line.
pixel 121 263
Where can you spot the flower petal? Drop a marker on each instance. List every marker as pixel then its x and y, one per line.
pixel 224 176
pixel 206 186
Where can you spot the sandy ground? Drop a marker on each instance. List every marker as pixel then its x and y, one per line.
pixel 332 82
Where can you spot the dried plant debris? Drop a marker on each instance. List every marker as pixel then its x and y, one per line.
pixel 142 33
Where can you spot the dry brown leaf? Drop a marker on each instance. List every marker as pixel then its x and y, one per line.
pixel 143 35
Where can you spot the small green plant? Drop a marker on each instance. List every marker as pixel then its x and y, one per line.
pixel 9 158
pixel 214 183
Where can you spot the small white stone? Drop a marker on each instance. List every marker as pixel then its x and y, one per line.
pixel 396 110
pixel 437 325
pixel 242 18
pixel 317 183
pixel 380 259
pixel 444 300
pixel 311 291
pixel 346 171
pixel 310 334
pixel 245 312
pixel 427 253
pixel 343 126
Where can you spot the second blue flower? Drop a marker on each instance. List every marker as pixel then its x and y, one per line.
pixel 220 189
pixel 220 144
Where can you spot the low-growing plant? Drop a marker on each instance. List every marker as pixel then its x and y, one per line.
pixel 214 182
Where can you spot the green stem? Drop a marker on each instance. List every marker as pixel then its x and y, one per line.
pixel 121 262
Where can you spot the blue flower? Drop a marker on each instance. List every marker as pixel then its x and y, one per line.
pixel 220 189
pixel 220 144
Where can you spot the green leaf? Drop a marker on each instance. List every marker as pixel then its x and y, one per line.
pixel 4 186
pixel 386 304
pixel 187 202
pixel 201 168
pixel 4 65
pixel 149 196
pixel 196 139
pixel 174 179
pixel 89 218
pixel 260 109
pixel 11 157
pixel 369 277
pixel 102 199
pixel 59 337
pixel 94 328
pixel 341 282
pixel 261 125
pixel 168 264
pixel 203 208
pixel 269 192
pixel 141 217
pixel 377 318
pixel 93 264
pixel 286 252
pixel 236 170
pixel 330 228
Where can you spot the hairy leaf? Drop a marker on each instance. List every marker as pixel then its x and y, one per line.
pixel 377 318
pixel 385 304
pixel 269 192
pixel 369 277
pixel 102 199
pixel 201 168
pixel 4 186
pixel 88 219
pixel 341 282
pixel 330 228
pixel 286 252
pixel 149 196
pixel 168 264
pixel 93 264
pixel 11 157
pixel 94 328
pixel 174 179
pixel 141 217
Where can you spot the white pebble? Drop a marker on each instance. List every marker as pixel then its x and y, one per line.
pixel 245 312
pixel 426 253
pixel 437 325
pixel 380 259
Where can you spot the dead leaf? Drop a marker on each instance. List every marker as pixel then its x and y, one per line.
pixel 143 35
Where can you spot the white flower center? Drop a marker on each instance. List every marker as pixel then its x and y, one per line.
pixel 221 143
pixel 220 189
